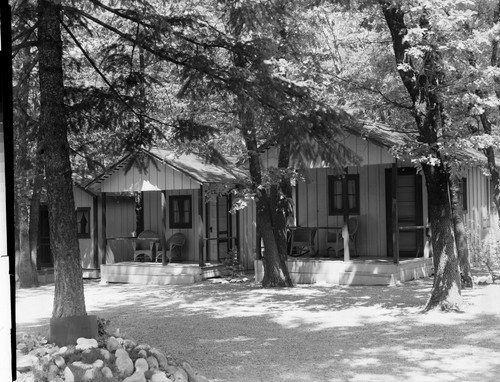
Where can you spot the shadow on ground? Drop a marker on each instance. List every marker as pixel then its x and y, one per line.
pixel 242 332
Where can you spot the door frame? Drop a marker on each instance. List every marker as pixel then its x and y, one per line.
pixel 419 213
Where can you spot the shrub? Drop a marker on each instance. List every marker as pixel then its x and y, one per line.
pixel 485 254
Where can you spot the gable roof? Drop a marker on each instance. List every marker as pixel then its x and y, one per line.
pixel 189 165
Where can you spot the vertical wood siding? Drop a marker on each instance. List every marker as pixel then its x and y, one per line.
pixel 164 177
pixel 313 207
pixel 84 199
pixel 248 236
pixel 478 218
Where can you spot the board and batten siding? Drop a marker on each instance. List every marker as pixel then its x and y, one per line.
pixel 120 222
pixel 479 220
pixel 85 200
pixel 155 178
pixel 369 153
pixel 311 201
pixel 248 236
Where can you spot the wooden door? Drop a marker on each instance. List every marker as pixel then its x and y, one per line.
pixel 410 214
pixel 44 256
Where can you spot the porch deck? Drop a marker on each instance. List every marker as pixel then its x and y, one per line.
pixel 156 273
pixel 359 271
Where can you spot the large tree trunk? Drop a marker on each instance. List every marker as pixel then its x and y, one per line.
pixel 460 235
pixel 26 265
pixel 275 267
pixel 69 297
pixel 430 117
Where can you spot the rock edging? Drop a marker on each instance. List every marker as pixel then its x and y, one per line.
pixel 114 359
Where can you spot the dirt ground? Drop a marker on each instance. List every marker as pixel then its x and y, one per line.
pixel 242 332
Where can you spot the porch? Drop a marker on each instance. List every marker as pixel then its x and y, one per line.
pixel 359 271
pixel 157 274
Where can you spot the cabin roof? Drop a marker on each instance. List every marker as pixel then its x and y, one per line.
pixel 190 164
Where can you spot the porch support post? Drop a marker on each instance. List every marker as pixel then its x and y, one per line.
pixel 394 214
pixel 201 202
pixel 163 227
pixel 95 232
pixel 345 213
pixel 103 228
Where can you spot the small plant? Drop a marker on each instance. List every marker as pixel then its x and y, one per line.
pixel 232 264
pixel 485 254
pixel 102 325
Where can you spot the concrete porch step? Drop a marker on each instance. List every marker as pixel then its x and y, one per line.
pixel 366 278
pixel 150 273
pixel 148 279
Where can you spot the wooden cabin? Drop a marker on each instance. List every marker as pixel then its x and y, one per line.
pixel 180 193
pixel 392 239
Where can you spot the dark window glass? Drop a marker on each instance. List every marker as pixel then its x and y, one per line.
pixel 337 195
pixel 180 211
pixel 83 222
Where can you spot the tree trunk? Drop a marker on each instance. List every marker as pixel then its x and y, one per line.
pixel 26 265
pixel 35 206
pixel 430 117
pixel 275 267
pixel 69 297
pixel 445 294
pixel 460 235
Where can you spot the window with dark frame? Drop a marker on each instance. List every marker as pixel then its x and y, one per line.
pixel 336 194
pixel 462 194
pixel 83 222
pixel 181 214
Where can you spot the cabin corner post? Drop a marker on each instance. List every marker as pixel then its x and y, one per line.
pixel 103 228
pixel 163 227
pixel 394 212
pixel 95 232
pixel 201 222
pixel 345 214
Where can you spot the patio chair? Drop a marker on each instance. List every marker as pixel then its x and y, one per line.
pixel 174 246
pixel 335 241
pixel 302 239
pixel 144 249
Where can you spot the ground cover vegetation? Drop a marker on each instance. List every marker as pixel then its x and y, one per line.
pixel 96 79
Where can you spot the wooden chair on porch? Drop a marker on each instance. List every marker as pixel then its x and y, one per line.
pixel 302 239
pixel 143 248
pixel 335 241
pixel 174 246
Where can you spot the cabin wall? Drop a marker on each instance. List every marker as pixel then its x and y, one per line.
pixel 248 236
pixel 86 200
pixel 121 223
pixel 311 199
pixel 479 219
pixel 369 153
pixel 156 177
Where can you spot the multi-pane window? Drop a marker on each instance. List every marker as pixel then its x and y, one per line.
pixel 337 194
pixel 180 211
pixel 83 222
pixel 462 193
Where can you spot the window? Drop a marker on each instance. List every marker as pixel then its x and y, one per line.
pixel 462 193
pixel 180 211
pixel 83 222
pixel 336 194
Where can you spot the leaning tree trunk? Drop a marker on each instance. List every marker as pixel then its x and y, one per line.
pixel 275 268
pixel 445 294
pixel 460 236
pixel 430 116
pixel 69 297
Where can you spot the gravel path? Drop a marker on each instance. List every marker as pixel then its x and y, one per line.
pixel 241 332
